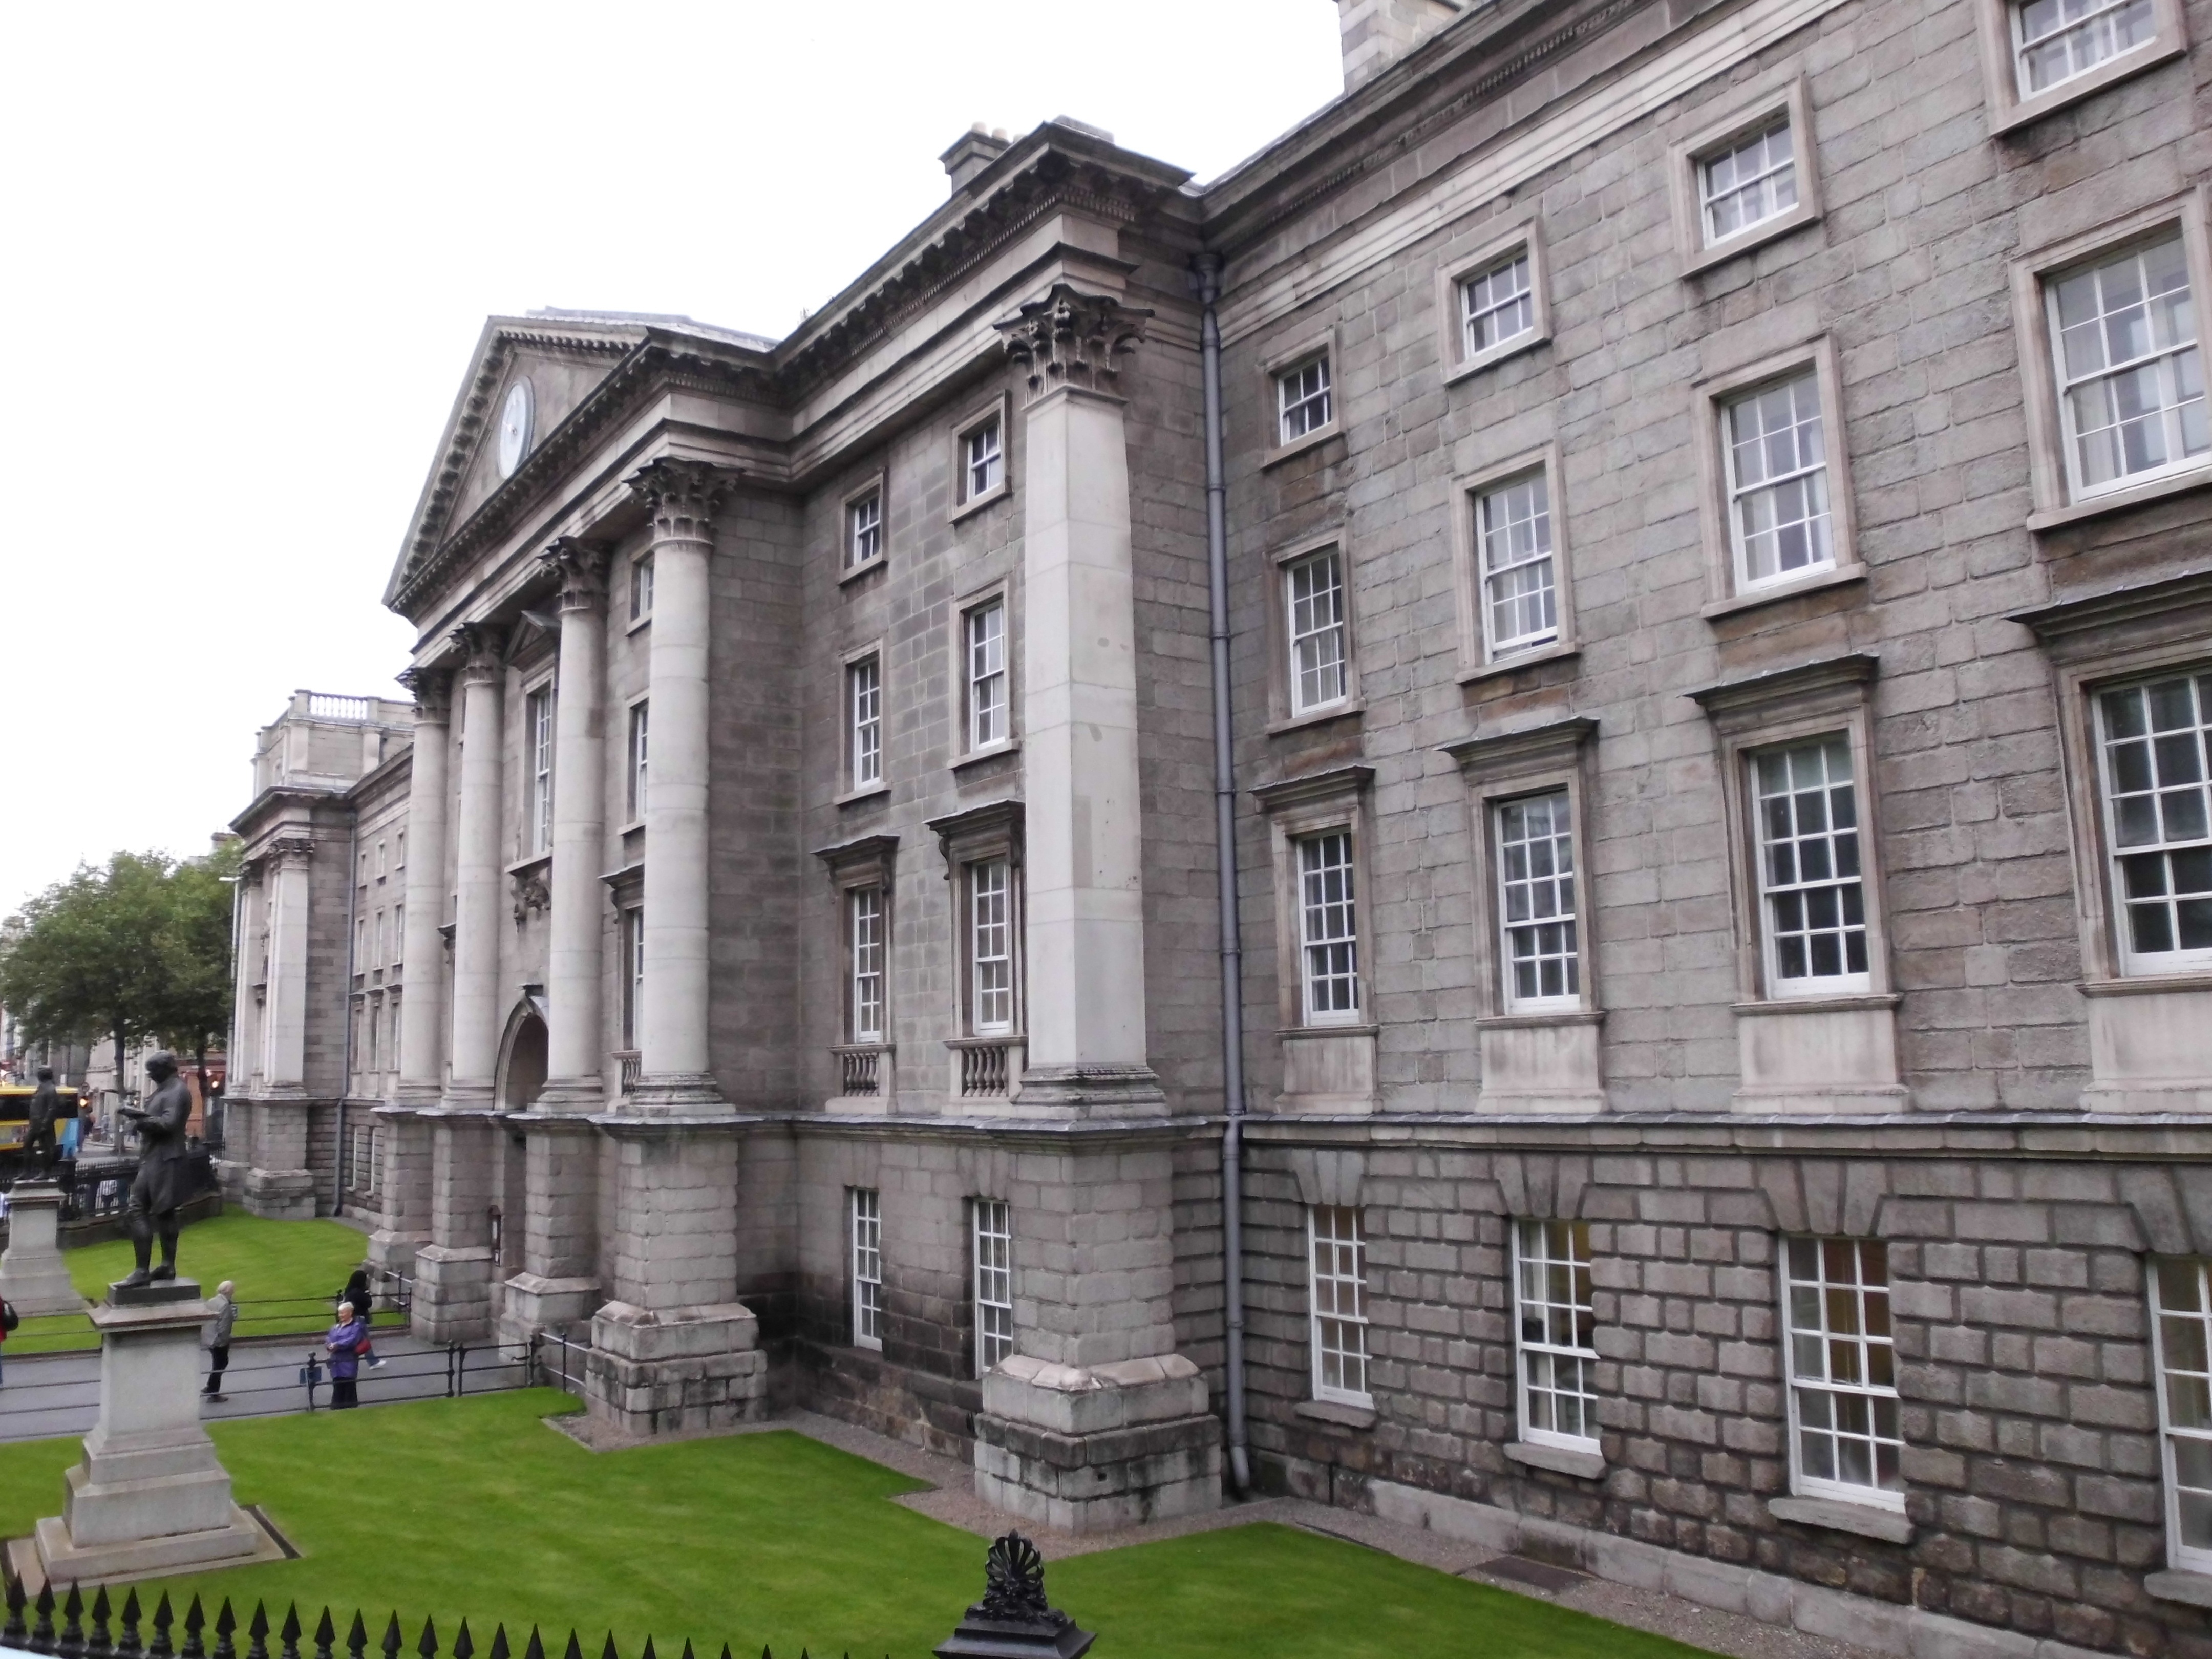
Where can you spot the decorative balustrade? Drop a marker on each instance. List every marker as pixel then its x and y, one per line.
pixel 324 706
pixel 633 1068
pixel 985 1070
pixel 860 1068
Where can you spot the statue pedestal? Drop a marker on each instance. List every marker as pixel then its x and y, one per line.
pixel 150 1497
pixel 32 1274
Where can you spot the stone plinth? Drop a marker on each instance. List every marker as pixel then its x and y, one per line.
pixel 453 1291
pixel 150 1497
pixel 31 1273
pixel 1092 1448
pixel 688 1368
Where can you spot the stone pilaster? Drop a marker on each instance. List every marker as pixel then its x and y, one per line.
pixel 1083 882
pixel 454 1271
pixel 558 1285
pixel 276 1182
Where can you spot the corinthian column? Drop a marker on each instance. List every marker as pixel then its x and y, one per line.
pixel 682 497
pixel 452 1291
pixel 405 1220
pixel 1082 878
pixel 558 1283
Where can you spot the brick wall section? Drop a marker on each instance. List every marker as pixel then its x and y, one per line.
pixel 2021 1330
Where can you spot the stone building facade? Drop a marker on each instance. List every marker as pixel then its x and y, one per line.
pixel 1718 640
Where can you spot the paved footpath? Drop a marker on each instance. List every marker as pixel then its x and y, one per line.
pixel 44 1396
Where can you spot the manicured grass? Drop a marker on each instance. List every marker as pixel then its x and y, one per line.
pixel 270 1260
pixel 476 1507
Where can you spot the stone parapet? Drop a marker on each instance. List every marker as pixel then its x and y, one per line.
pixel 1089 1450
pixel 686 1369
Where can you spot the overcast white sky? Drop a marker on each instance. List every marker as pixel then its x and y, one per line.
pixel 248 248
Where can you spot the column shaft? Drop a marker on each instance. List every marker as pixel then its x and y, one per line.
pixel 421 1055
pixel 286 1050
pixel 478 881
pixel 574 1042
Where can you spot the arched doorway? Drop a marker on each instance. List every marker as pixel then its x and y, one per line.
pixel 522 1063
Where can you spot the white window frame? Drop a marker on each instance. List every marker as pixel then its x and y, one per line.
pixel 2180 1556
pixel 1293 358
pixel 1340 627
pixel 966 496
pixel 1771 894
pixel 2134 964
pixel 1803 385
pixel 1574 995
pixel 1329 1334
pixel 1315 902
pixel 867 938
pixel 866 1223
pixel 640 588
pixel 1455 277
pixel 2069 445
pixel 537 757
pixel 1285 708
pixel 633 975
pixel 854 525
pixel 863 716
pixel 991 1252
pixel 1786 103
pixel 1480 657
pixel 399 933
pixel 1489 527
pixel 2051 466
pixel 1533 1353
pixel 973 710
pixel 2012 105
pixel 977 926
pixel 1305 396
pixel 1863 1343
pixel 637 749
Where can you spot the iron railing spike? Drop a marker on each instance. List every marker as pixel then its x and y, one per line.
pixel 427 1647
pixel 13 1632
pixel 608 1651
pixel 464 1643
pixel 499 1644
pixel 357 1637
pixel 163 1617
pixel 99 1643
pixel 226 1622
pixel 326 1633
pixel 575 1648
pixel 71 1644
pixel 392 1637
pixel 649 1653
pixel 257 1648
pixel 289 1634
pixel 128 1642
pixel 536 1649
pixel 195 1622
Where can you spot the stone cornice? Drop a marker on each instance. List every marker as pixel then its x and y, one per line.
pixel 878 851
pixel 1756 694
pixel 2173 603
pixel 1557 743
pixel 1337 783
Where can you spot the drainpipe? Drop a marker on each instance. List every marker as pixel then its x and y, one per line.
pixel 1224 839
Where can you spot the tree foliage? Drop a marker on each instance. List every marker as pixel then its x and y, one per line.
pixel 136 950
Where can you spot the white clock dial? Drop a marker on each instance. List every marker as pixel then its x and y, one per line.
pixel 515 427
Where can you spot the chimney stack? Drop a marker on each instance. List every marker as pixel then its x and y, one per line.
pixel 973 151
pixel 1377 33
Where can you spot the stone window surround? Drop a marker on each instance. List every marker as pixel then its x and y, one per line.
pixel 1709 400
pixel 1813 1502
pixel 873 484
pixel 998 406
pixel 2009 111
pixel 1001 591
pixel 1548 1060
pixel 849 792
pixel 1325 1068
pixel 1549 1449
pixel 1687 156
pixel 868 861
pixel 1476 662
pixel 2046 460
pixel 542 683
pixel 853 1218
pixel 2123 634
pixel 642 618
pixel 1526 234
pixel 1279 716
pixel 1805 1053
pixel 994 829
pixel 1304 349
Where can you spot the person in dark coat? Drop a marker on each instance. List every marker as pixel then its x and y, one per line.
pixel 344 1343
pixel 159 1190
pixel 45 1106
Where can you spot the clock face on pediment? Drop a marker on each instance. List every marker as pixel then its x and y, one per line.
pixel 514 423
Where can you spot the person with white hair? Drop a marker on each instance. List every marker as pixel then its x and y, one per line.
pixel 225 1307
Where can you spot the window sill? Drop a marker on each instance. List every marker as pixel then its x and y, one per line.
pixel 1837 576
pixel 2193 1589
pixel 1583 1465
pixel 1298 445
pixel 1496 355
pixel 979 503
pixel 866 568
pixel 1561 651
pixel 2118 501
pixel 637 623
pixel 1702 260
pixel 1890 1526
pixel 868 791
pixel 1540 1017
pixel 978 757
pixel 1346 710
pixel 1297 1033
pixel 1329 1411
pixel 535 861
pixel 634 824
pixel 2029 111
pixel 1844 1002
pixel 2146 985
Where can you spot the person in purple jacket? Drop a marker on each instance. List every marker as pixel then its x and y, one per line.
pixel 345 1342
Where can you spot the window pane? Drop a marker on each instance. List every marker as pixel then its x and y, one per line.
pixel 2158 806
pixel 2132 392
pixel 1752 181
pixel 1808 864
pixel 1327 934
pixel 1314 590
pixel 1337 1295
pixel 1554 1322
pixel 1842 1368
pixel 1536 899
pixel 1778 482
pixel 2058 40
pixel 990 948
pixel 986 675
pixel 1514 525
pixel 864 708
pixel 1303 400
pixel 1497 306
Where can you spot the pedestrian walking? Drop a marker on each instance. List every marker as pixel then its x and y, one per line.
pixel 219 1329
pixel 344 1343
pixel 357 1293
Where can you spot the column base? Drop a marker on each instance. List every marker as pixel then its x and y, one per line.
pixel 1091 1450
pixel 530 1304
pixel 395 1252
pixel 453 1293
pixel 1110 1093
pixel 676 1094
pixel 682 1369
pixel 278 1194
pixel 571 1096
pixel 32 1276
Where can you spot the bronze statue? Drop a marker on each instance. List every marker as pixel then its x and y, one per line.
pixel 38 1146
pixel 159 1188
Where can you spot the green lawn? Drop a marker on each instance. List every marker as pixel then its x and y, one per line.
pixel 270 1260
pixel 476 1507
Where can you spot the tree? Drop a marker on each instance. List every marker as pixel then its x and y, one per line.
pixel 138 950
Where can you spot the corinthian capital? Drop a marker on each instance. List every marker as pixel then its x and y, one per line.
pixel 433 693
pixel 481 645
pixel 582 569
pixel 680 496
pixel 1072 338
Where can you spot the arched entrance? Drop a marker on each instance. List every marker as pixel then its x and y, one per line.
pixel 522 1060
